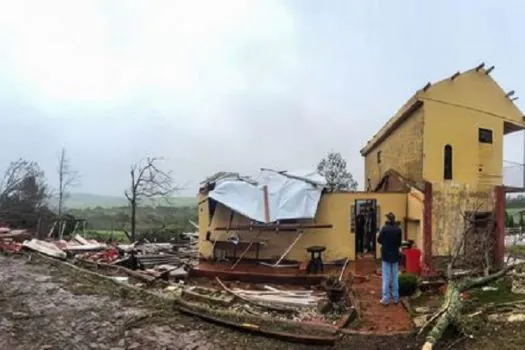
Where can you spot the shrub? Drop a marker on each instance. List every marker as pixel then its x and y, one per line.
pixel 407 284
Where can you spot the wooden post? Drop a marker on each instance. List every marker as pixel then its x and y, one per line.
pixel 427 228
pixel 499 232
pixel 266 205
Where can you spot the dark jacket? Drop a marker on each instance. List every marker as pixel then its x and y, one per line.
pixel 390 240
pixel 360 223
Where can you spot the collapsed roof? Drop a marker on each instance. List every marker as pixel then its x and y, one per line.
pixel 291 195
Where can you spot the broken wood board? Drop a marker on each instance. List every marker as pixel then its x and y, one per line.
pixel 255 302
pixel 209 296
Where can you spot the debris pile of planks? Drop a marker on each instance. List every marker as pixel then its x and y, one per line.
pixel 11 240
pixel 271 295
pixel 156 260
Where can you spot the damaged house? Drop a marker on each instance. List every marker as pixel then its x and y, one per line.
pixel 439 158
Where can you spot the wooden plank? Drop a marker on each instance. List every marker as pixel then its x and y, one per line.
pixel 254 302
pixel 343 269
pixel 289 248
pixel 273 227
pixel 266 204
pixel 246 250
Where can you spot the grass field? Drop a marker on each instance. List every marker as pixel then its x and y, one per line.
pixel 88 200
pixel 104 235
pixel 515 212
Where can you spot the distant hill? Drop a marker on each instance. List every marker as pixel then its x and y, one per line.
pixel 87 200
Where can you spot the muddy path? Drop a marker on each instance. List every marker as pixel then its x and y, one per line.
pixel 41 307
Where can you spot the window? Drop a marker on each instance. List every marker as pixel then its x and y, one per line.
pixel 447 167
pixel 379 157
pixel 485 135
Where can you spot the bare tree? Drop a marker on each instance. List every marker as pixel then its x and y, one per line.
pixel 147 182
pixel 67 178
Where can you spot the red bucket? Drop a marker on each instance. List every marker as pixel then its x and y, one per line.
pixel 413 260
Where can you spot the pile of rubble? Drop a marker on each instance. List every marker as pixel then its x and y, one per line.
pixel 11 240
pixel 166 260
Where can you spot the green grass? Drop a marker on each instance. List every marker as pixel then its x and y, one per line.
pixel 502 294
pixel 516 250
pixel 104 235
pixel 88 200
pixel 515 212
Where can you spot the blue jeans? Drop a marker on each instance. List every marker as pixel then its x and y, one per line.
pixel 389 271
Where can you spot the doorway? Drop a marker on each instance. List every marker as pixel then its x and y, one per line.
pixel 365 214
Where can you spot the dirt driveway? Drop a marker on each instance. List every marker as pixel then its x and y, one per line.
pixel 38 312
pixel 44 308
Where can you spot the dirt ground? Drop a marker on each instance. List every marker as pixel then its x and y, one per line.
pixel 37 311
pixel 43 308
pixel 378 318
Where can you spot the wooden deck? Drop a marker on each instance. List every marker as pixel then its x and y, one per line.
pixel 255 273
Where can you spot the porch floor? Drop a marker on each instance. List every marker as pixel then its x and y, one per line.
pixel 252 272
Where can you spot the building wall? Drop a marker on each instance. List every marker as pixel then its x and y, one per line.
pixel 334 209
pixel 473 163
pixel 450 202
pixel 402 151
pixel 454 111
pixel 415 199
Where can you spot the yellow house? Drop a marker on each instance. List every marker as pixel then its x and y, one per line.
pixel 449 135
pixel 439 157
pixel 332 228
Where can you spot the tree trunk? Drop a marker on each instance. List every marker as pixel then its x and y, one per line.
pixel 133 219
pixel 452 299
pixel 453 304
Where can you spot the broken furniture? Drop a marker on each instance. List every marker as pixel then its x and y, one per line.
pixel 315 264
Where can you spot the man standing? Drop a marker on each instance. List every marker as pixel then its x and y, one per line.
pixel 390 239
pixel 370 230
pixel 360 232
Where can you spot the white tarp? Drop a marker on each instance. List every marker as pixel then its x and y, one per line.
pixel 291 195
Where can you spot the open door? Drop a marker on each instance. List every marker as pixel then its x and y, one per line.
pixel 365 221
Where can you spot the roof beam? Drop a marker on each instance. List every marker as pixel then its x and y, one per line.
pixel 455 75
pixel 490 70
pixel 510 93
pixel 426 87
pixel 480 66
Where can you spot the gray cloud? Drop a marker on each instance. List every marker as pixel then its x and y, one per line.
pixel 229 86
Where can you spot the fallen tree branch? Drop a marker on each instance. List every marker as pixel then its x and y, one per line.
pixel 454 304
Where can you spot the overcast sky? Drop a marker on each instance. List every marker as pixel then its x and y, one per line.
pixel 230 85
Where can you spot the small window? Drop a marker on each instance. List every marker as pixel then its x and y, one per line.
pixel 379 157
pixel 447 166
pixel 485 135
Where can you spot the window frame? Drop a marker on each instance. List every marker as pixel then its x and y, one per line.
pixel 485 136
pixel 448 161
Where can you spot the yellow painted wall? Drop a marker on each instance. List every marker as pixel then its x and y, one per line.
pixel 450 201
pixel 334 209
pixel 415 200
pixel 474 163
pixel 402 151
pixel 478 91
pixel 454 112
